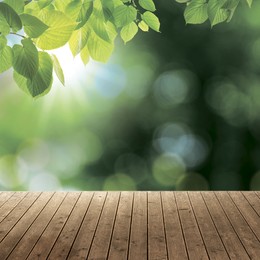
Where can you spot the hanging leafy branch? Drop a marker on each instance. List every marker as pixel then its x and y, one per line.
pixel 90 27
pixel 216 11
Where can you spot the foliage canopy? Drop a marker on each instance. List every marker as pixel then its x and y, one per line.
pixel 90 27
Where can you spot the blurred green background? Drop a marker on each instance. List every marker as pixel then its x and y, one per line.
pixel 178 110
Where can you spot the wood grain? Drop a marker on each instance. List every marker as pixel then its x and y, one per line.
pixel 129 225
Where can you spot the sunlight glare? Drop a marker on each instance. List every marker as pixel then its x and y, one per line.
pixel 74 70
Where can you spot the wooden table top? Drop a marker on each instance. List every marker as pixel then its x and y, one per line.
pixel 130 225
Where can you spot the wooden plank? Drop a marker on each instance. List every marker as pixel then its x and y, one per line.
pixel 254 200
pixel 194 242
pixel 82 243
pixel 138 234
pixel 32 235
pixel 51 233
pixel 62 246
pixel 174 235
pixel 251 217
pixel 156 234
pixel 4 197
pixel 214 245
pixel 9 242
pixel 120 237
pixel 14 216
pixel 101 242
pixel 129 225
pixel 228 235
pixel 244 232
pixel 12 203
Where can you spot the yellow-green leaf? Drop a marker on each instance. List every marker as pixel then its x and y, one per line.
pixel 143 26
pixel 147 5
pixel 129 31
pixel 59 31
pixel 4 26
pixel 151 20
pixel 79 39
pixel 124 15
pixel 84 54
pixel 33 27
pixel 6 58
pixel 58 69
pixel 99 49
pixel 216 13
pixel 196 12
pixel 3 42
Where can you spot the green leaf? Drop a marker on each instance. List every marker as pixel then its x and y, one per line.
pixel 26 59
pixel 182 1
pixel 43 79
pixel 59 31
pixel 6 58
pixel 196 12
pixel 79 39
pixel 99 27
pixel 99 49
pixel 58 69
pixel 231 6
pixel 33 27
pixel 249 2
pixel 4 26
pixel 216 13
pixel 111 30
pixel 147 5
pixel 21 81
pixel 85 13
pixel 84 54
pixel 61 5
pixel 44 3
pixel 143 26
pixel 73 9
pixel 3 42
pixel 124 15
pixel 32 8
pixel 151 20
pixel 128 32
pixel 11 17
pixel 17 5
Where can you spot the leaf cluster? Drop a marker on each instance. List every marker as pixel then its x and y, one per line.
pixel 216 11
pixel 90 27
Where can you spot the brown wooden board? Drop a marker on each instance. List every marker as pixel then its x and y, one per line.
pixel 254 201
pixel 120 237
pixel 129 225
pixel 240 226
pixel 194 241
pixel 64 242
pixel 4 197
pixel 48 238
pixel 156 232
pixel 82 242
pixel 226 231
pixel 101 242
pixel 10 241
pixel 138 233
pixel 33 234
pixel 174 234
